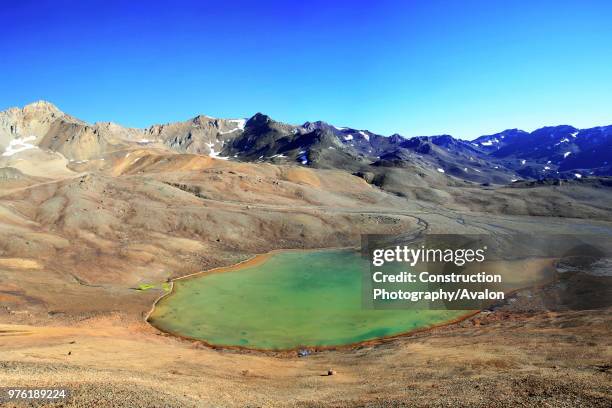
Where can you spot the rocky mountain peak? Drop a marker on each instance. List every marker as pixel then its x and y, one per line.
pixel 443 140
pixel 396 138
pixel 203 119
pixel 319 124
pixel 42 107
pixel 258 119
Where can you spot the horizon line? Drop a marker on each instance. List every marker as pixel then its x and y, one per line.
pixel 44 101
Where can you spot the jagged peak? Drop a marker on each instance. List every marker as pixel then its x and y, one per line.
pixel 317 123
pixel 41 105
pixel 396 138
pixel 259 119
pixel 201 119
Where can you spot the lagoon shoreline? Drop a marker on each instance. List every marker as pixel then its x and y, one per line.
pixel 258 260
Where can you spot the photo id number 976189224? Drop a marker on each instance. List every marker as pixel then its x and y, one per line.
pixel 18 393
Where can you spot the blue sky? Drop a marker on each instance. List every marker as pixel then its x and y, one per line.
pixel 465 68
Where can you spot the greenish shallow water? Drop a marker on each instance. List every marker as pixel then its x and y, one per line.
pixel 293 299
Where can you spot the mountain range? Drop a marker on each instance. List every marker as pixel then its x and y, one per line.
pixel 558 152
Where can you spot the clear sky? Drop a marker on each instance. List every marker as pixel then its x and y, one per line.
pixel 465 68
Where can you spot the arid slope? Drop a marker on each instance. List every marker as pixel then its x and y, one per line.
pixel 81 237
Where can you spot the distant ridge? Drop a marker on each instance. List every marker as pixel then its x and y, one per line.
pixel 549 152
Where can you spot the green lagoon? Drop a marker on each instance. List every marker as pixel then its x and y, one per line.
pixel 291 299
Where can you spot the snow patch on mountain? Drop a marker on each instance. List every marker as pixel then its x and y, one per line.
pixel 240 123
pixel 215 154
pixel 19 145
pixel 489 142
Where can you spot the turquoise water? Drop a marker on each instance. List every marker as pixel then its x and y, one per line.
pixel 293 299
